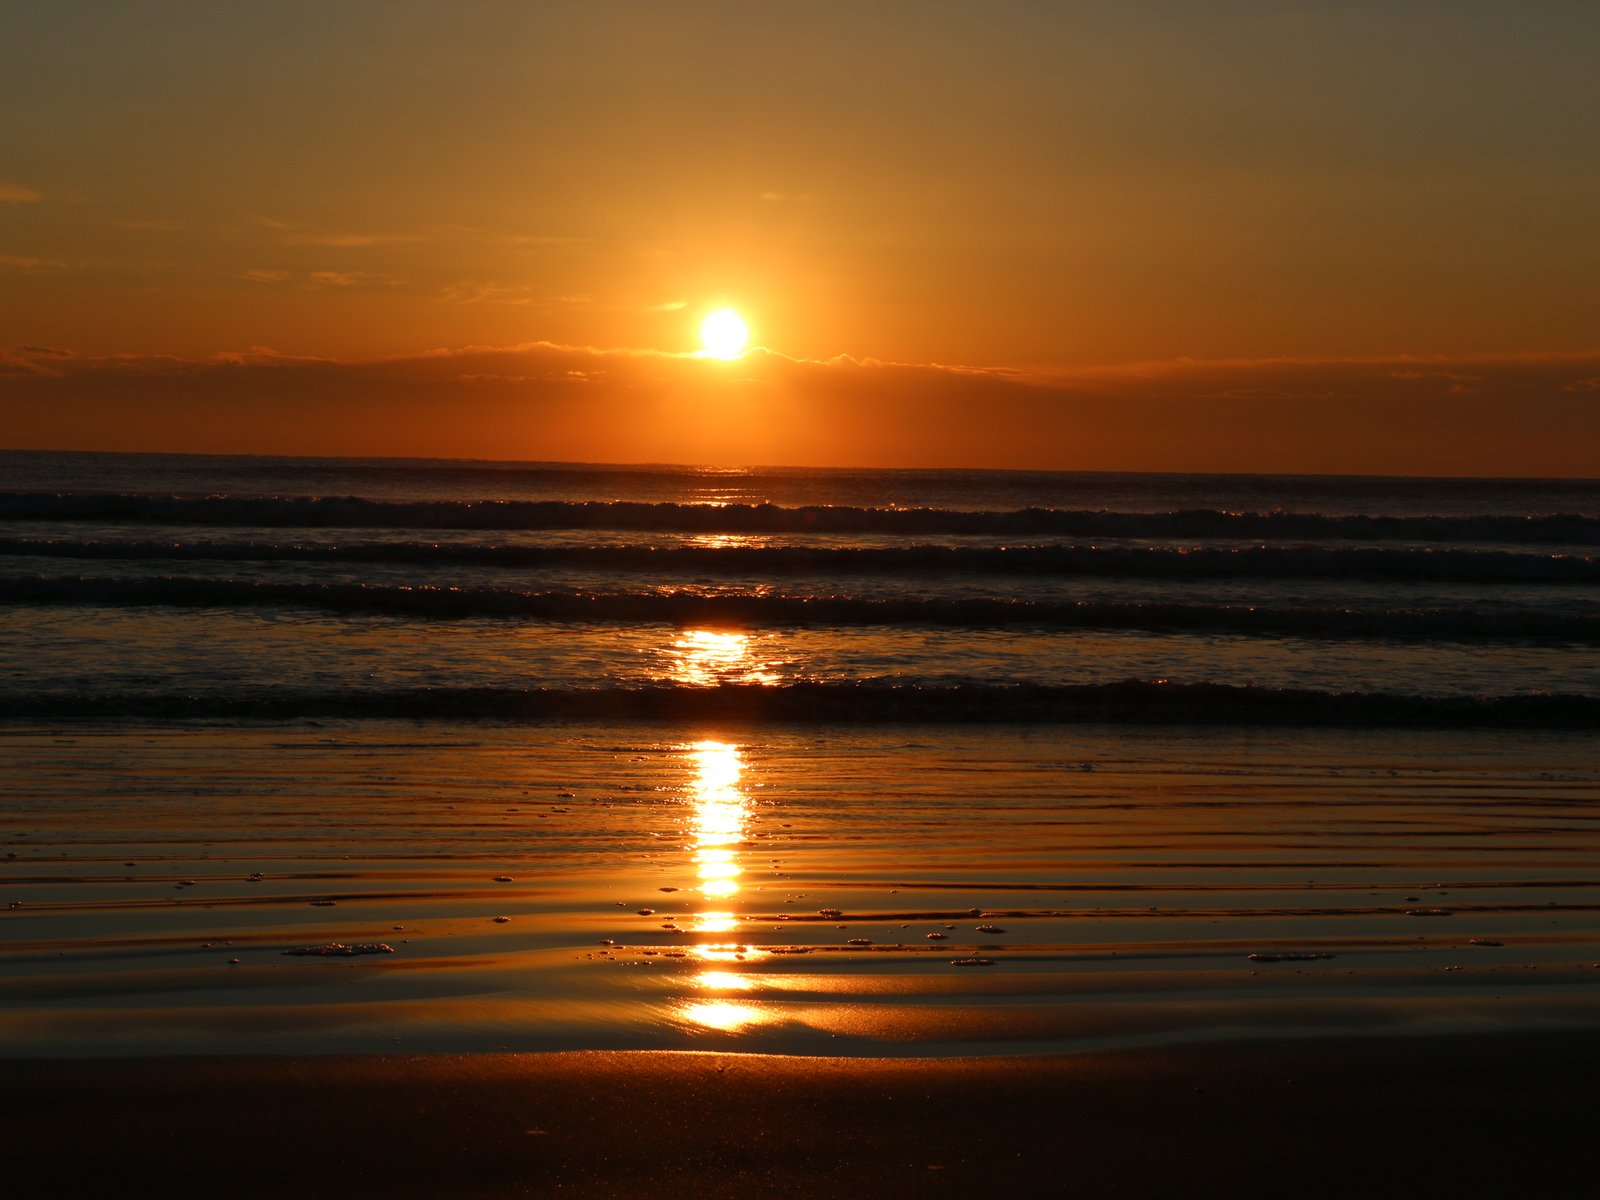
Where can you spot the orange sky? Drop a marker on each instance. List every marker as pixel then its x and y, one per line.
pixel 1231 236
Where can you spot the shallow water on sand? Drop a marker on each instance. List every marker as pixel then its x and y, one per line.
pixel 834 890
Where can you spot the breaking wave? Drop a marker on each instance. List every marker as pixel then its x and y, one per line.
pixel 1207 524
pixel 1133 702
pixel 1247 562
pixel 775 610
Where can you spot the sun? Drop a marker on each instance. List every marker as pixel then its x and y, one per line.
pixel 723 334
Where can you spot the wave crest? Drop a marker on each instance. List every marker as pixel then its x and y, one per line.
pixel 323 512
pixel 1132 702
pixel 743 609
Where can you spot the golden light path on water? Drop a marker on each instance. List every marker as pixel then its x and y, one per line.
pixel 719 813
pixel 705 657
pixel 717 827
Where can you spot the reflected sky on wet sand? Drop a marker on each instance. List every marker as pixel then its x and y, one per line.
pixel 705 657
pixel 837 891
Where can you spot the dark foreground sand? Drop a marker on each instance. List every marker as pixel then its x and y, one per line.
pixel 1437 1117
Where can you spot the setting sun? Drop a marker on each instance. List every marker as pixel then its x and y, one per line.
pixel 723 334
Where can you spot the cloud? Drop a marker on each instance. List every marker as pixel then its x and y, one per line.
pixel 56 363
pixel 494 291
pixel 1523 415
pixel 19 262
pixel 319 279
pixel 298 233
pixel 31 360
pixel 491 237
pixel 1460 385
pixel 14 193
pixel 344 239
pixel 262 354
pixel 486 291
pixel 346 279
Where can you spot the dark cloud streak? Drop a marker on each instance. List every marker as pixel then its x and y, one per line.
pixel 1523 415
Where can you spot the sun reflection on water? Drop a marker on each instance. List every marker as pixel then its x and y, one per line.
pixel 725 1015
pixel 727 952
pixel 722 485
pixel 713 922
pixel 706 657
pixel 719 814
pixel 717 824
pixel 724 981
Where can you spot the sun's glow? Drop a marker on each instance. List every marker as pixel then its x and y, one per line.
pixel 725 1015
pixel 726 952
pixel 717 824
pixel 724 981
pixel 723 334
pixel 704 657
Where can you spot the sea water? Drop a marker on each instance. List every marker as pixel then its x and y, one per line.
pixel 336 755
pixel 183 585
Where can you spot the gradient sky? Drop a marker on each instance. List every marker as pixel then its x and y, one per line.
pixel 1337 236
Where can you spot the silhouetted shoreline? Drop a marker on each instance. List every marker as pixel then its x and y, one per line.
pixel 1455 1115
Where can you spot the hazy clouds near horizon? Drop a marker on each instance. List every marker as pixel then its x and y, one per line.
pixel 1045 188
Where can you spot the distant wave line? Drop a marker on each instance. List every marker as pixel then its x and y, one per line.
pixel 1255 562
pixel 1132 702
pixel 691 609
pixel 356 513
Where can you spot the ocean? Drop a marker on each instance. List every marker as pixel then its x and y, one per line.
pixel 338 754
pixel 149 585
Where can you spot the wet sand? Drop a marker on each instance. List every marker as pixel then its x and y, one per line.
pixel 682 952
pixel 1444 1116
pixel 834 893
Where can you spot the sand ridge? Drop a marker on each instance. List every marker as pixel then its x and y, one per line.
pixel 1451 1115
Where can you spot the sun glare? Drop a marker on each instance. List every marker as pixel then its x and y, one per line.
pixel 723 334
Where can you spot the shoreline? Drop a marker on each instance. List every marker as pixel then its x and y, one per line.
pixel 171 892
pixel 1373 1116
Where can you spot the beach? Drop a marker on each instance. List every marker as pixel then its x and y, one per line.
pixel 598 832
pixel 907 890
pixel 1453 1115
pixel 726 600
pixel 1220 966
